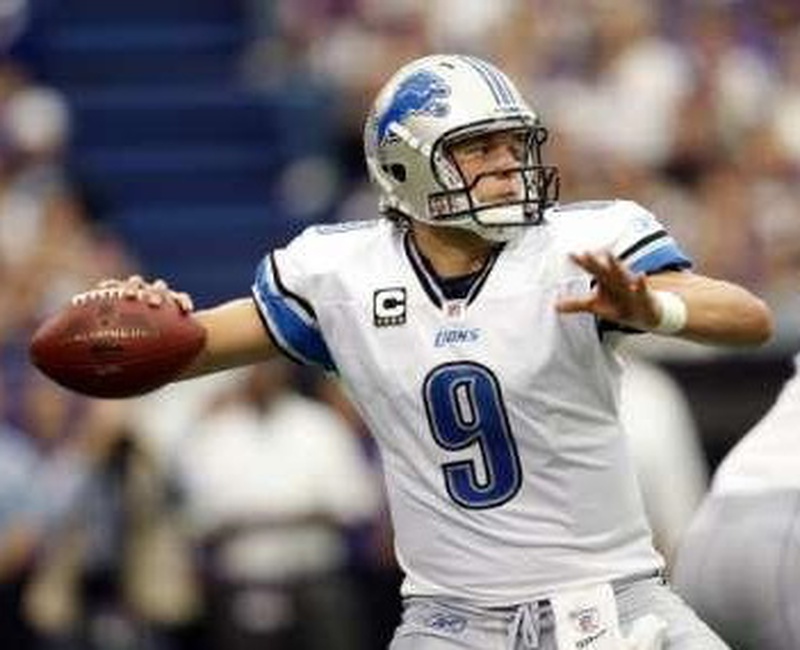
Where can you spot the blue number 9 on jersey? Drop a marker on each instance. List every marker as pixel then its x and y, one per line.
pixel 465 407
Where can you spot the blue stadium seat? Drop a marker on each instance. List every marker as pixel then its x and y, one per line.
pixel 180 156
pixel 145 12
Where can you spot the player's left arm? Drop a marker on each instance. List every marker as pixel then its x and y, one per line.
pixel 713 311
pixel 717 311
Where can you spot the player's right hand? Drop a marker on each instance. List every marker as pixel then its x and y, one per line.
pixel 619 295
pixel 135 287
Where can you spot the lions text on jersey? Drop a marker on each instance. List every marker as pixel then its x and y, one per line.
pixel 496 416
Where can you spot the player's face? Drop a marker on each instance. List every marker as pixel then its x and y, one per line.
pixel 491 162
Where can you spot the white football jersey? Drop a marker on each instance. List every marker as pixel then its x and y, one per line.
pixel 766 459
pixel 506 466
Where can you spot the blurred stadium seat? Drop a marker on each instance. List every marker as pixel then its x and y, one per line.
pixel 176 152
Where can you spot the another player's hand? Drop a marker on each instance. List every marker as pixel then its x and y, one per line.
pixel 136 288
pixel 619 295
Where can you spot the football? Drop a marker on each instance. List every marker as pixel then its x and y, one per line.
pixel 107 345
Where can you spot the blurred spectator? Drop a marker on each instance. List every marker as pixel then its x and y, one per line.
pixel 34 131
pixel 18 530
pixel 164 418
pixel 14 16
pixel 100 579
pixel 787 101
pixel 50 244
pixel 272 480
pixel 626 103
pixel 729 66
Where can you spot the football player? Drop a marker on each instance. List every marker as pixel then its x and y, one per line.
pixel 470 324
pixel 737 564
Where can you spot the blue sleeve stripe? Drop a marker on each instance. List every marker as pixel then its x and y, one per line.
pixel 303 306
pixel 272 278
pixel 292 327
pixel 274 335
pixel 642 243
pixel 662 257
pixel 268 282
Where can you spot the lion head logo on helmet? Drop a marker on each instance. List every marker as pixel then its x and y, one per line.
pixel 422 93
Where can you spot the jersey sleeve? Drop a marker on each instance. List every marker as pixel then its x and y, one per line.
pixel 280 290
pixel 644 245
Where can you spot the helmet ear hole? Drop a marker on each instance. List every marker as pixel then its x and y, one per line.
pixel 397 171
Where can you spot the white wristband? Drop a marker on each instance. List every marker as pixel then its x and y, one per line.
pixel 673 313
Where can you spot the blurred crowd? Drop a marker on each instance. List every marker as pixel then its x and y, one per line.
pixel 191 519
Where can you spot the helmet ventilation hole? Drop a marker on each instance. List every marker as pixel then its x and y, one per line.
pixel 397 171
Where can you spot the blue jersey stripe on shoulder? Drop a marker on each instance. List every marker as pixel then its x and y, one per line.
pixel 290 325
pixel 642 243
pixel 669 256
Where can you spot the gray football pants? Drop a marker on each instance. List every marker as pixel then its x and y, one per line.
pixel 739 567
pixel 432 624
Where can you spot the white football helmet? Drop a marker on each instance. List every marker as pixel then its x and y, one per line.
pixel 422 110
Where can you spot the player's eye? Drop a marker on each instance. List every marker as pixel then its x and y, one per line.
pixel 517 144
pixel 475 149
pixel 513 143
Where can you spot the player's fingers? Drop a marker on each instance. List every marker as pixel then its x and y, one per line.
pixel 132 287
pixel 639 284
pixel 574 305
pixel 132 292
pixel 154 298
pixel 184 301
pixel 585 260
pixel 614 276
pixel 136 288
pixel 611 278
pixel 617 282
pixel 591 263
pixel 157 291
pixel 616 271
pixel 620 274
pixel 134 283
